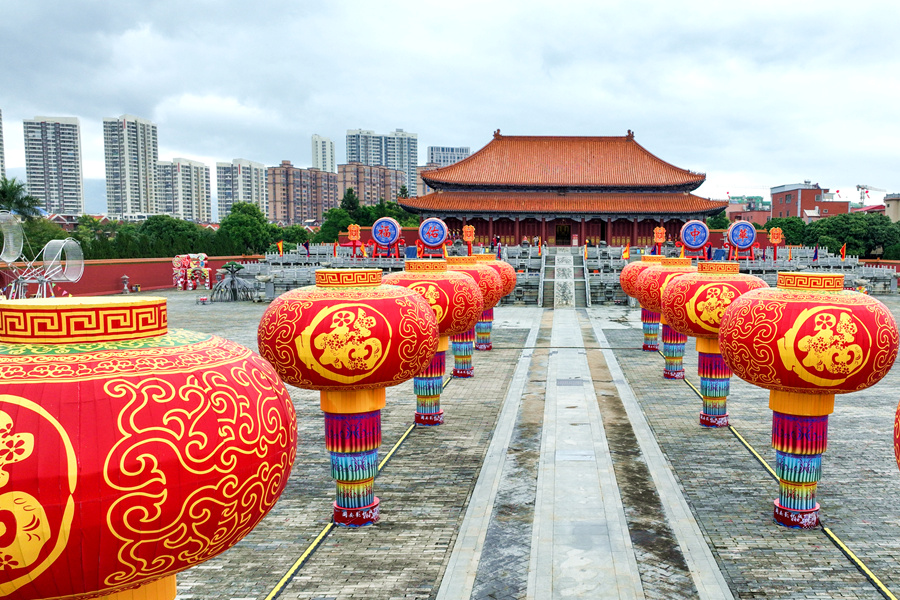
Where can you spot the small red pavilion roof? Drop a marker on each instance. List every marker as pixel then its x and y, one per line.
pixel 611 163
pixel 554 203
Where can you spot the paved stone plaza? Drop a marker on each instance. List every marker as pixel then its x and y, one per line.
pixel 568 468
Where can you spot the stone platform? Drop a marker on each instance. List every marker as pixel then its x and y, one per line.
pixel 569 468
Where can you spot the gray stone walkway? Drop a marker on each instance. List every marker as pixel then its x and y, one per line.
pixel 494 504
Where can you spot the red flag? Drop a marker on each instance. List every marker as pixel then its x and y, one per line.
pixel 844 251
pixel 280 245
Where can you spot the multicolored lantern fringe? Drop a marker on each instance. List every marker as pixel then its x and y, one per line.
pixel 797 434
pixel 483 330
pixel 353 440
pixel 715 383
pixel 428 387
pixel 799 442
pixel 673 351
pixel 352 432
pixel 650 323
pixel 462 353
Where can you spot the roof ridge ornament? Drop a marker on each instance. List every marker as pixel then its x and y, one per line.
pixel 497 134
pixel 628 137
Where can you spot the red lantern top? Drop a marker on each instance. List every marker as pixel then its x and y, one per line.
pixel 488 279
pixel 454 297
pixel 809 336
pixel 693 303
pixel 504 269
pixel 348 332
pixel 116 447
pixel 652 281
pixel 628 276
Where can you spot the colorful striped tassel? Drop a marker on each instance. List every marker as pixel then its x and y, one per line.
pixel 799 442
pixel 673 352
pixel 715 381
pixel 353 440
pixel 650 322
pixel 483 330
pixel 462 353
pixel 428 387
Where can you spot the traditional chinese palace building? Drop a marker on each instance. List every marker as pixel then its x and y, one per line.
pixel 565 190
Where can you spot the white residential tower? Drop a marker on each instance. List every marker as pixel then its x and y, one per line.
pixel 131 148
pixel 241 180
pixel 323 154
pixel 53 163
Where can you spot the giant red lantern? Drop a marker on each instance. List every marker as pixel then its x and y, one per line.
pixel 806 341
pixel 649 319
pixel 651 283
pixel 693 304
pixel 491 287
pixel 350 337
pixel 457 304
pixel 508 282
pixel 128 452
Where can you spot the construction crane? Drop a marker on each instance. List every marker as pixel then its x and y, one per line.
pixel 864 191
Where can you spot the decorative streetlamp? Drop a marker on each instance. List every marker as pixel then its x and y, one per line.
pixel 128 451
pixel 659 238
pixel 457 304
pixel 469 236
pixel 693 304
pixel 776 236
pixel 806 341
pixel 353 235
pixel 649 319
pixel 508 280
pixel 490 284
pixel 350 337
pixel 651 284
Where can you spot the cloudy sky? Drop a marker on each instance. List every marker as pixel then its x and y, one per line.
pixel 753 94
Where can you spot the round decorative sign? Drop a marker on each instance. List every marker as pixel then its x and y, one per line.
pixel 694 235
pixel 433 232
pixel 386 231
pixel 741 235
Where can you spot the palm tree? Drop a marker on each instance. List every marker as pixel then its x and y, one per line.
pixel 15 199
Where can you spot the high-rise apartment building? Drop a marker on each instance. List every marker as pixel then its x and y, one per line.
pixel 241 180
pixel 2 159
pixel 370 182
pixel 298 195
pixel 53 163
pixel 445 156
pixel 184 190
pixel 323 154
pixel 131 149
pixel 398 150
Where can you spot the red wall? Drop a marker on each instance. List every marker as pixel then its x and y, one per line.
pixel 102 277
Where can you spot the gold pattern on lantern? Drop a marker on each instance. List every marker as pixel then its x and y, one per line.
pixel 346 351
pixel 831 354
pixel 432 294
pixel 711 309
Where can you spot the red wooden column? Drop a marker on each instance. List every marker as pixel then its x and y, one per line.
pixel 490 230
pixel 634 232
pixel 516 238
pixel 543 229
pixel 583 239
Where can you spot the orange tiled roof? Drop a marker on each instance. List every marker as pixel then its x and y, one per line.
pixel 570 162
pixel 554 203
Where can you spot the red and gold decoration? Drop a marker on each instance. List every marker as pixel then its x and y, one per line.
pixel 806 341
pixel 491 287
pixel 651 283
pixel 469 236
pixel 129 452
pixel 508 280
pixel 659 238
pixel 693 304
pixel 776 236
pixel 649 319
pixel 189 272
pixel 457 304
pixel 350 337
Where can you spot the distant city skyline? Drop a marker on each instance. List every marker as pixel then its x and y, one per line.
pixel 53 163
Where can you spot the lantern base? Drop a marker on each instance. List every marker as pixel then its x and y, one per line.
pixel 429 419
pixel 357 517
pixel 483 347
pixel 714 420
pixel 796 519
pixel 463 372
pixel 673 374
pixel 161 589
pixel 650 347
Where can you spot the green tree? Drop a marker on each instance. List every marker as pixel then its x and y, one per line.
pixel 295 234
pixel 793 228
pixel 15 199
pixel 37 233
pixel 862 232
pixel 719 221
pixel 247 227
pixel 336 221
pixel 169 236
pixel 403 193
pixel 350 202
